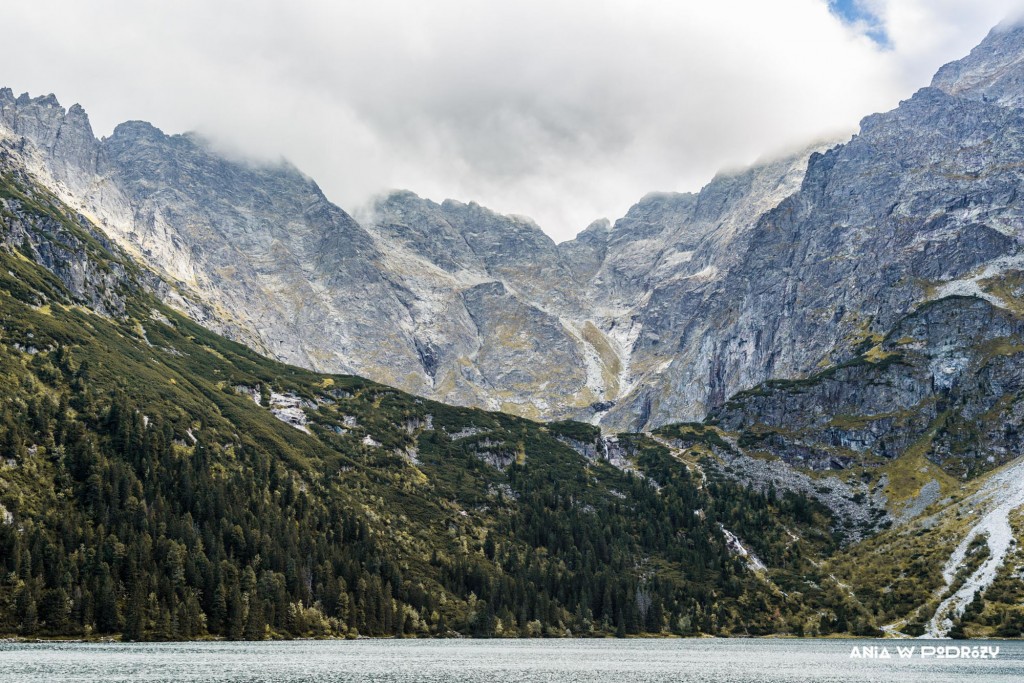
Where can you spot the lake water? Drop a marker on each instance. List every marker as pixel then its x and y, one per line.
pixel 500 661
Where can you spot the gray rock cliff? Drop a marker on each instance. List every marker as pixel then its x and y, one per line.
pixel 772 272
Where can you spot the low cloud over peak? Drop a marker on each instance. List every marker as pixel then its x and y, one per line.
pixel 562 110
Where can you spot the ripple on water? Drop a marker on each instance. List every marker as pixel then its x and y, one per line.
pixel 493 661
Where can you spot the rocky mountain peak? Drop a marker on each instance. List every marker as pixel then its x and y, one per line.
pixel 137 130
pixel 597 231
pixel 42 119
pixel 654 211
pixel 992 72
pixel 64 137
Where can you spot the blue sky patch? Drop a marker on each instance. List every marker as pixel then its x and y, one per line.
pixel 854 12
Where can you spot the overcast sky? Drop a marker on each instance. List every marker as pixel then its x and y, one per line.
pixel 562 110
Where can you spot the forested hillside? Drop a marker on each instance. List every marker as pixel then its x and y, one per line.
pixel 158 481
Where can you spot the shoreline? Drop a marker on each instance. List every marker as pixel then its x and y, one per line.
pixel 16 640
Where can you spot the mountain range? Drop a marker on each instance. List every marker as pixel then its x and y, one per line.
pixel 450 301
pixel 788 403
pixel 766 273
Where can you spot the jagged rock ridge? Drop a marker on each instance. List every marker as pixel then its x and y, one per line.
pixel 448 300
pixel 772 272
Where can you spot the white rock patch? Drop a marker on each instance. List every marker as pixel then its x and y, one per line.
pixel 1003 494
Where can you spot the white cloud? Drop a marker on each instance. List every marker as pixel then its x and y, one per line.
pixel 564 110
pixel 928 33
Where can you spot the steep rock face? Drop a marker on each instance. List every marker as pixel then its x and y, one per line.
pixel 497 311
pixel 587 251
pixel 948 377
pixel 919 204
pixel 257 253
pixel 583 322
pixel 65 137
pixel 993 72
pixel 283 267
pixel 665 265
pixel 41 230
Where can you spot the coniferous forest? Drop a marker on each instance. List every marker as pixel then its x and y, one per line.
pixel 158 482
